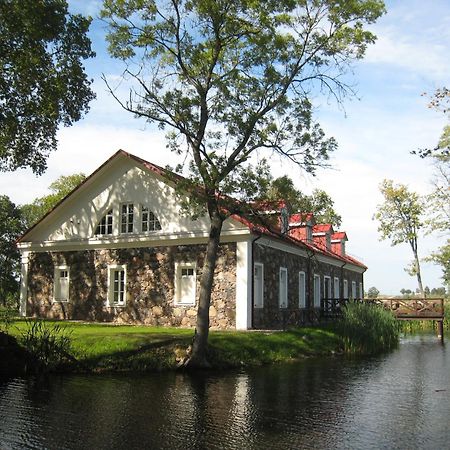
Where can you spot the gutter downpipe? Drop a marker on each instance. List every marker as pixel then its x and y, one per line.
pixel 252 279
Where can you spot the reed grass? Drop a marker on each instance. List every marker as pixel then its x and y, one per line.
pixel 367 329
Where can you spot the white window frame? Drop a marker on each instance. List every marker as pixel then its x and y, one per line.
pixel 179 266
pixel 361 292
pixel 112 269
pixel 316 289
pixel 57 284
pixel 283 290
pixel 149 220
pixel 325 278
pixel 336 287
pixel 125 218
pixel 345 294
pixel 258 302
pixel 301 289
pixel 108 217
pixel 353 290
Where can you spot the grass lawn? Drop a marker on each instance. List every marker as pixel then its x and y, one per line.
pixel 105 347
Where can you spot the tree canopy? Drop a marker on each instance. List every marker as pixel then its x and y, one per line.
pixel 42 82
pixel 11 227
pixel 40 206
pixel 400 219
pixel 319 202
pixel 231 79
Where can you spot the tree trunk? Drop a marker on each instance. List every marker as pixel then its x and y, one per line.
pixel 418 274
pixel 198 358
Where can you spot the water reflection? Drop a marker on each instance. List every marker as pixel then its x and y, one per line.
pixel 400 400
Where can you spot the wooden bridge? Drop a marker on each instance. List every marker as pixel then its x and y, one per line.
pixel 403 309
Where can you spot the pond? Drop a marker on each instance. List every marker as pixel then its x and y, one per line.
pixel 400 400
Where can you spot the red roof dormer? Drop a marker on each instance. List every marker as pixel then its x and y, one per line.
pixel 338 242
pixel 301 225
pixel 322 235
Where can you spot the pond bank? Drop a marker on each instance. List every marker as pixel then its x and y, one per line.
pixel 99 348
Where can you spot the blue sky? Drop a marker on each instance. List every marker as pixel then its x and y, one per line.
pixel 376 132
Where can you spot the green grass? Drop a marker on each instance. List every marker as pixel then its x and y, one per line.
pixel 104 347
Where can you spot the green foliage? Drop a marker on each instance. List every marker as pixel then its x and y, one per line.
pixel 49 343
pixel 441 257
pixel 319 202
pixel 11 227
pixel 42 205
pixel 400 219
pixel 373 292
pixel 368 329
pixel 42 82
pixel 7 316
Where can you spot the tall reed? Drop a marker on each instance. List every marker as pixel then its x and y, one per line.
pixel 367 329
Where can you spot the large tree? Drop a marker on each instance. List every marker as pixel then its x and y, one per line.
pixel 40 206
pixel 230 79
pixel 400 219
pixel 42 78
pixel 11 227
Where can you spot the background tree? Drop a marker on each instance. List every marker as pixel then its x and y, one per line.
pixel 11 227
pixel 40 206
pixel 373 292
pixel 319 202
pixel 400 219
pixel 231 79
pixel 42 82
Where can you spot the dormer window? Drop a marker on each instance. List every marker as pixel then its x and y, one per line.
pixel 127 215
pixel 105 225
pixel 149 221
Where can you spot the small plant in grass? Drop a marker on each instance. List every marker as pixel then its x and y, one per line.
pixel 7 316
pixel 50 344
pixel 368 329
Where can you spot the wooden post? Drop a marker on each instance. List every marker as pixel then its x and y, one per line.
pixel 441 330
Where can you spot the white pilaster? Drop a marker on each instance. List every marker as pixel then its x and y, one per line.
pixel 24 283
pixel 243 285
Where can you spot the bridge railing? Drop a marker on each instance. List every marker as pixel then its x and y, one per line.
pixel 416 308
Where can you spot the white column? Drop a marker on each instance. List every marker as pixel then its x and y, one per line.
pixel 24 283
pixel 243 285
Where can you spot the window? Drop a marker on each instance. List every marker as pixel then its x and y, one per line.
pixel 105 225
pixel 316 291
pixel 185 286
pixel 336 286
pixel 327 286
pixel 61 284
pixel 301 290
pixel 258 285
pixel 345 289
pixel 283 293
pixel 361 292
pixel 149 220
pixel 126 219
pixel 117 281
pixel 353 289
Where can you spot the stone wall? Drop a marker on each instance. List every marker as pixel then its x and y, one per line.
pixel 271 316
pixel 150 285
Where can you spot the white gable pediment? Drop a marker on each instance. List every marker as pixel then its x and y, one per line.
pixel 122 180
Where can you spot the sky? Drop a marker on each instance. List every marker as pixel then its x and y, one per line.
pixel 375 131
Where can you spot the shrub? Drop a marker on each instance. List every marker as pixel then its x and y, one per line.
pixel 7 316
pixel 367 329
pixel 50 344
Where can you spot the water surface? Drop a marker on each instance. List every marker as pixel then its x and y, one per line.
pixel 395 401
